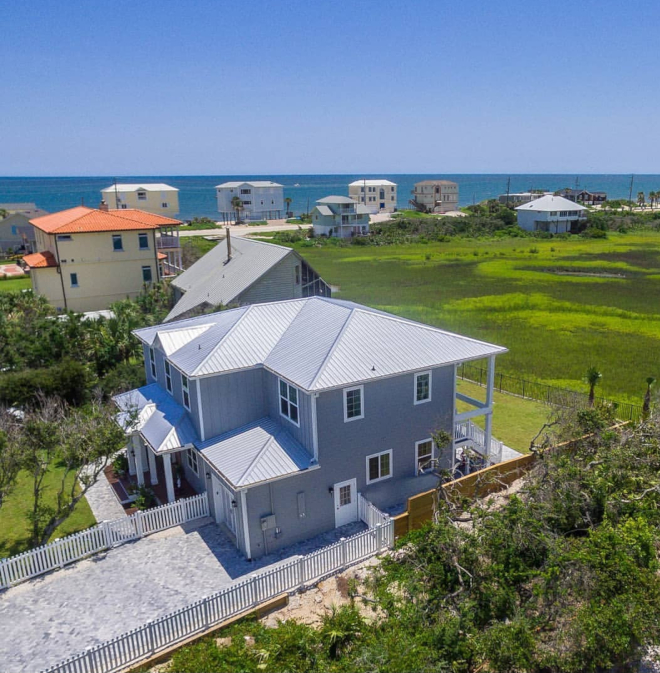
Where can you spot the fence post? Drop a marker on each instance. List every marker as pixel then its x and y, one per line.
pixel 150 637
pixel 523 388
pixel 139 527
pixel 301 571
pixel 206 613
pixel 343 551
pixel 107 533
pixel 90 668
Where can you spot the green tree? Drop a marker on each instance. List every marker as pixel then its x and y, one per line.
pixel 646 407
pixel 641 201
pixel 10 453
pixel 288 201
pixel 237 205
pixel 592 378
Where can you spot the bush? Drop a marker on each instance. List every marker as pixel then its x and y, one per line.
pixel 120 464
pixel 125 376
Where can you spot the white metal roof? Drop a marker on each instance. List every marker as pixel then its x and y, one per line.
pixel 372 183
pixel 550 203
pixel 146 186
pixel 324 210
pixel 251 183
pixel 336 199
pixel 256 452
pixel 212 280
pixel 316 343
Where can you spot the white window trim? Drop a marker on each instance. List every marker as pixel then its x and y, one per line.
pixel 279 401
pixel 152 362
pixel 378 455
pixel 354 418
pixel 423 441
pixel 428 399
pixel 185 390
pixel 168 376
pixel 189 455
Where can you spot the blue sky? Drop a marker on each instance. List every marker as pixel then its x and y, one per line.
pixel 167 87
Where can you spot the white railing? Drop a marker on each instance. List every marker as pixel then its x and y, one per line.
pixel 369 513
pixel 475 434
pixel 99 538
pixel 144 642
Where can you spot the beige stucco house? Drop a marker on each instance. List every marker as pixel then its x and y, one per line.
pixel 89 258
pixel 16 232
pixel 435 196
pixel 157 198
pixel 379 196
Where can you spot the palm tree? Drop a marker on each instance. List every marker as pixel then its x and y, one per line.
pixel 593 378
pixel 288 200
pixel 237 205
pixel 646 407
pixel 640 199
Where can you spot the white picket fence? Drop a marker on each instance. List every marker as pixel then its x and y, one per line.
pixel 99 538
pixel 142 643
pixel 369 513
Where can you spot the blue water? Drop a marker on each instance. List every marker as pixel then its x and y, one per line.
pixel 197 193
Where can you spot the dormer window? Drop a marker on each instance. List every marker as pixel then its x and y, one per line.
pixel 168 377
pixel 289 402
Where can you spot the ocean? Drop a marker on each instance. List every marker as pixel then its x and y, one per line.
pixel 197 193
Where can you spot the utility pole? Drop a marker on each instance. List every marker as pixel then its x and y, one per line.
pixel 117 196
pixel 508 190
pixel 632 178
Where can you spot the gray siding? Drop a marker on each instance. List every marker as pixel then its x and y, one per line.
pixel 275 285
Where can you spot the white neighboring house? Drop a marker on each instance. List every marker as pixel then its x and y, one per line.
pixel 157 198
pixel 260 199
pixel 340 216
pixel 552 213
pixel 379 196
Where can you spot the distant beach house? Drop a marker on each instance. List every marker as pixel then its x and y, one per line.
pixel 379 196
pixel 89 258
pixel 435 196
pixel 285 412
pixel 250 200
pixel 157 198
pixel 552 213
pixel 340 216
pixel 518 198
pixel 243 271
pixel 583 196
pixel 16 232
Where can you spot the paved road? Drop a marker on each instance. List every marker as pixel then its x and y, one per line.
pixel 61 614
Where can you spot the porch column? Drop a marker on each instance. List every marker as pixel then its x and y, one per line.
pixel 139 466
pixel 131 457
pixel 169 482
pixel 490 382
pixel 153 472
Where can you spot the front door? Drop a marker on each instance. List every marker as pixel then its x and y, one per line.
pixel 225 512
pixel 346 510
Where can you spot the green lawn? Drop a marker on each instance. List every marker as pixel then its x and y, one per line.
pixel 559 306
pixel 14 524
pixel 14 284
pixel 516 421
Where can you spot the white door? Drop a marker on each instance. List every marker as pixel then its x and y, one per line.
pixel 346 510
pixel 224 511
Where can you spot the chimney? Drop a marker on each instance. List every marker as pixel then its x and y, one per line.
pixel 103 206
pixel 228 244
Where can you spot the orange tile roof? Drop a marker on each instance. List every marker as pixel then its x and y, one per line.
pixel 162 255
pixel 40 260
pixel 83 220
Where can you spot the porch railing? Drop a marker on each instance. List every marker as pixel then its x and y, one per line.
pixel 148 640
pixel 471 432
pixel 105 535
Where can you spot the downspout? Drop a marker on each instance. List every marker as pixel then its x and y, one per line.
pixel 246 532
pixel 315 431
pixel 59 270
pixel 156 257
pixel 199 411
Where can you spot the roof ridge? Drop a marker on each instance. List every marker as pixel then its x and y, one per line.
pixel 118 213
pixel 335 343
pixel 87 208
pixel 269 440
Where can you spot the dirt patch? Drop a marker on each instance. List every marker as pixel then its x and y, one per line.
pixel 592 274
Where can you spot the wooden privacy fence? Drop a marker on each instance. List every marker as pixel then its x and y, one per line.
pixel 99 538
pixel 161 634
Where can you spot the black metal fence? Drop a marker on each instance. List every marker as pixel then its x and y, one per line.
pixel 542 392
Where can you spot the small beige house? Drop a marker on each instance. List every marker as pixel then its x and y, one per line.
pixel 435 196
pixel 16 232
pixel 379 196
pixel 89 258
pixel 157 198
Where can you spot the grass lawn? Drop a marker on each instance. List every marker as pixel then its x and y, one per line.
pixel 199 243
pixel 559 306
pixel 14 524
pixel 515 421
pixel 14 284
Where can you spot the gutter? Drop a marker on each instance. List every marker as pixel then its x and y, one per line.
pixel 59 271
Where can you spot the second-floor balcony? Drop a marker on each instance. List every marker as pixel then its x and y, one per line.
pixel 167 237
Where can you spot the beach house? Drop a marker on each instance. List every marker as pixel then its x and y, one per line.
pixel 435 196
pixel 340 216
pixel 242 271
pixel 89 258
pixel 157 198
pixel 379 196
pixel 250 200
pixel 284 412
pixel 552 213
pixel 16 232
pixel 583 196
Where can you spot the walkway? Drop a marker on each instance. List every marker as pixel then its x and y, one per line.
pixel 53 617
pixel 103 502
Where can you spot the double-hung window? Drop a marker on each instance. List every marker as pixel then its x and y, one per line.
pixel 146 274
pixel 152 361
pixel 379 466
pixel 186 391
pixel 143 241
pixel 117 244
pixel 289 402
pixel 142 196
pixel 422 387
pixel 353 403
pixel 192 461
pixel 74 279
pixel 424 455
pixel 168 376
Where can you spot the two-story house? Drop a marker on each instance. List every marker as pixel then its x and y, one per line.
pixel 259 200
pixel 89 258
pixel 157 198
pixel 340 216
pixel 16 232
pixel 379 196
pixel 435 196
pixel 554 214
pixel 283 412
